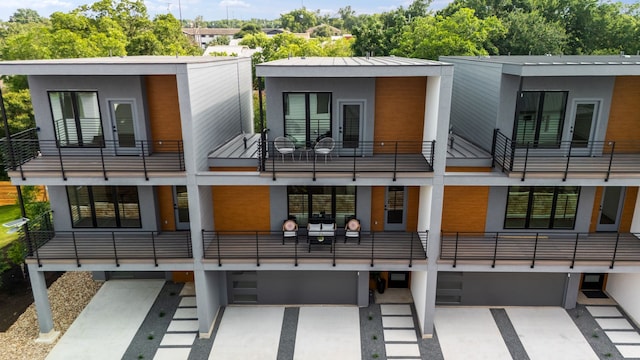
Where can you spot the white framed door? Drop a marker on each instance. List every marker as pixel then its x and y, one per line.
pixel 351 127
pixel 584 119
pixel 610 208
pixel 395 216
pixel 181 207
pixel 123 117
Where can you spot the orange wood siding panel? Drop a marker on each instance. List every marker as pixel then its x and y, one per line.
pixel 465 208
pixel 624 116
pixel 182 276
pixel 240 208
pixel 467 169
pixel 163 107
pixel 595 212
pixel 167 212
pixel 377 208
pixel 399 112
pixel 627 210
pixel 413 202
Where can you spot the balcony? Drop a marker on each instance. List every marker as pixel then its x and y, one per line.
pixel 353 159
pixel 26 156
pixel 600 159
pixel 256 247
pixel 109 247
pixel 533 248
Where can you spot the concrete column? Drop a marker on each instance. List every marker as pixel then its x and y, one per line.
pixel 43 307
pixel 363 288
pixel 211 294
pixel 572 286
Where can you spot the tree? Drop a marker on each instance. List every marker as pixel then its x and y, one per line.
pixel 370 37
pixel 19 110
pixel 299 20
pixel 253 41
pixel 248 28
pixel 219 40
pixel 530 33
pixel 459 34
pixel 26 16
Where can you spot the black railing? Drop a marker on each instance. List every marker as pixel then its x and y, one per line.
pixel 565 157
pixel 256 246
pixel 102 156
pixel 610 248
pixel 81 246
pixel 350 157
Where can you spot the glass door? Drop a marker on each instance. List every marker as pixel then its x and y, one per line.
pixel 394 217
pixel 181 207
pixel 351 125
pixel 123 122
pixel 610 208
pixel 585 115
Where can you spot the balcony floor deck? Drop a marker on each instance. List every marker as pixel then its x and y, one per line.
pixel 138 246
pixel 91 166
pixel 597 166
pixel 559 248
pixel 398 247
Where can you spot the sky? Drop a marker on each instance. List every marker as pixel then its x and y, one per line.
pixel 217 9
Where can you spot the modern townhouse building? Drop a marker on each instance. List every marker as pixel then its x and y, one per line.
pixel 543 204
pixel 154 169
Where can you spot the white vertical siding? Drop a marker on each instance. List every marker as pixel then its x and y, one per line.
pixel 220 101
pixel 475 101
pixel 625 290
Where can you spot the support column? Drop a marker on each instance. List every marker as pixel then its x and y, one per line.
pixel 43 308
pixel 363 288
pixel 572 287
pixel 635 221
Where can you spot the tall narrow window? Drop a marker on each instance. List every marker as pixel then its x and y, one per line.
pixel 104 206
pixel 307 117
pixel 336 203
pixel 76 118
pixel 542 207
pixel 540 117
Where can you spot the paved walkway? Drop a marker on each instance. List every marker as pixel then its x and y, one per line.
pixel 126 319
pixel 104 329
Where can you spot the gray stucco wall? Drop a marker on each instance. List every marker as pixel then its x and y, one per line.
pixel 220 98
pixel 307 287
pixel 108 88
pixel 579 88
pixel 513 289
pixel 497 206
pixel 342 89
pixel 62 218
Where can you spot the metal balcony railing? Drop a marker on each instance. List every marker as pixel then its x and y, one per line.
pixel 256 246
pixel 566 157
pixel 391 157
pixel 533 247
pixel 28 155
pixel 83 246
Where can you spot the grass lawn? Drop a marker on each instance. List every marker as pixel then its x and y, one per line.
pixel 8 213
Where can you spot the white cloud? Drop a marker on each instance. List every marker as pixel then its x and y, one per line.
pixel 234 3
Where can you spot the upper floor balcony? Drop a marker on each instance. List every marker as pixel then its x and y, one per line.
pixel 27 156
pixel 599 159
pixel 281 157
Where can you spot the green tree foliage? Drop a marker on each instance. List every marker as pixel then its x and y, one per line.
pixel 219 40
pixel 462 33
pixel 26 16
pixel 299 20
pixel 248 28
pixel 530 33
pixel 19 110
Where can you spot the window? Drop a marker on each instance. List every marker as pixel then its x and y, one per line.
pixel 307 117
pixel 540 117
pixel 541 207
pixel 76 118
pixel 104 206
pixel 328 202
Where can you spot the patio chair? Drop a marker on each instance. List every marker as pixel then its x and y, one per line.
pixel 284 146
pixel 321 234
pixel 289 230
pixel 324 147
pixel 352 230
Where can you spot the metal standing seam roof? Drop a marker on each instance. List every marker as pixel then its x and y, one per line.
pixel 533 60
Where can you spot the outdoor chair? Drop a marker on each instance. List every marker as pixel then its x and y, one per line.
pixel 352 230
pixel 324 147
pixel 284 146
pixel 321 234
pixel 289 230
